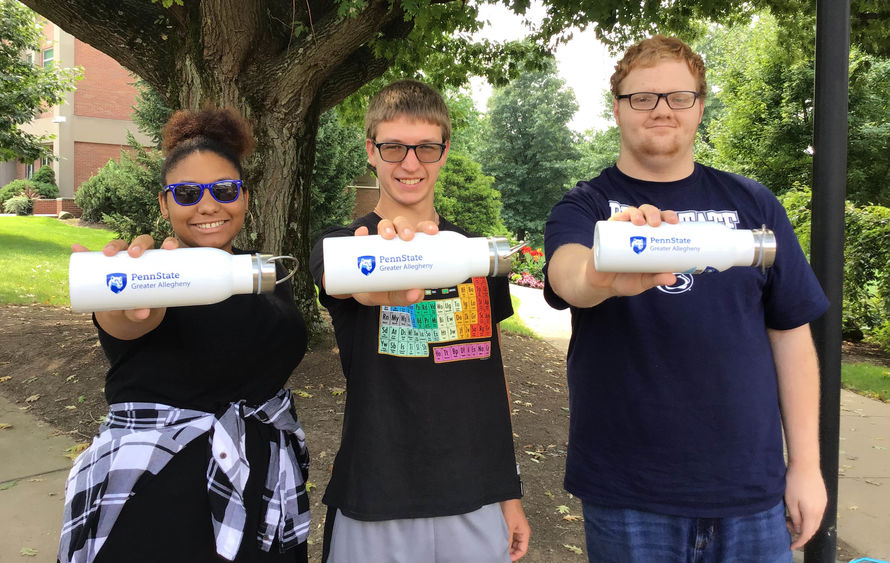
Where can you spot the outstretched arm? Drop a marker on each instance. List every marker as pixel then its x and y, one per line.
pixel 132 323
pixel 572 275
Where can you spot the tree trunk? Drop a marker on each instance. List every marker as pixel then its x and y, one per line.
pixel 279 175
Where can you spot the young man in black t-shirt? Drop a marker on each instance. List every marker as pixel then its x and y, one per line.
pixel 423 473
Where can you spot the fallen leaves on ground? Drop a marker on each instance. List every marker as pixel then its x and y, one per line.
pixel 75 450
pixel 573 548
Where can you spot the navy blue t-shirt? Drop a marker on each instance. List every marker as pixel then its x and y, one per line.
pixel 673 393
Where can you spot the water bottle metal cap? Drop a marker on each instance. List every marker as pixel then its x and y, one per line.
pixel 265 278
pixel 501 256
pixel 765 249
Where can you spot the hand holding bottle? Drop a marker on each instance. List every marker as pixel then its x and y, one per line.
pixel 389 229
pixel 625 284
pixel 132 323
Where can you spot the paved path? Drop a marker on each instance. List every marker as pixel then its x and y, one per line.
pixel 33 468
pixel 864 481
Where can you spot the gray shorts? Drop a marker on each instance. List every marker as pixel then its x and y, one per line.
pixel 480 536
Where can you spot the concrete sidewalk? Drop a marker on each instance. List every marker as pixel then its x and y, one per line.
pixel 864 480
pixel 32 486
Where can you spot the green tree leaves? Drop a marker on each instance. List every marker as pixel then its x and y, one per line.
pixel 529 148
pixel 760 121
pixel 25 89
pixel 465 196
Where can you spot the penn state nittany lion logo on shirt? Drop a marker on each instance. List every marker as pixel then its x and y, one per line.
pixel 638 244
pixel 116 282
pixel 366 264
pixel 682 285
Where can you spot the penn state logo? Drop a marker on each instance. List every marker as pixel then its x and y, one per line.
pixel 366 264
pixel 638 244
pixel 116 282
pixel 682 285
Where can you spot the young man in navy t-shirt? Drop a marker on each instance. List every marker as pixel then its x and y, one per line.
pixel 681 385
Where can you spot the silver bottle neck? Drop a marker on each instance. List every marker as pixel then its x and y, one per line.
pixel 500 256
pixel 264 275
pixel 764 248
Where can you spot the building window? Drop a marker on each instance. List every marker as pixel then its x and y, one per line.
pixel 48 57
pixel 29 171
pixel 46 161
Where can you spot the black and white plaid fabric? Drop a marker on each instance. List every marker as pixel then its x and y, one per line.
pixel 142 437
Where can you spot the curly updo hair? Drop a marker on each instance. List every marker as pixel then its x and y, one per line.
pixel 221 131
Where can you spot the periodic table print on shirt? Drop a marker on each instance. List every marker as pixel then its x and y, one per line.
pixel 439 323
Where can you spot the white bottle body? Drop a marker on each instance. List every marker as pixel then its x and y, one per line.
pixel 684 248
pixel 372 263
pixel 158 278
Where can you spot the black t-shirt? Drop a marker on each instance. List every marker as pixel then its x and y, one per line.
pixel 205 357
pixel 426 430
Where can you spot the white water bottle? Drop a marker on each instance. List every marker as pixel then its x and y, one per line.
pixel 165 278
pixel 684 248
pixel 372 263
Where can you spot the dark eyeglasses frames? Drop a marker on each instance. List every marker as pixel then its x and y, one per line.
pixel 646 101
pixel 425 152
pixel 189 193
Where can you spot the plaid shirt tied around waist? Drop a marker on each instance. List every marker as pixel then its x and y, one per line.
pixel 142 437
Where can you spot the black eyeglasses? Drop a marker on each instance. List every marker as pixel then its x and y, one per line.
pixel 645 101
pixel 425 152
pixel 189 193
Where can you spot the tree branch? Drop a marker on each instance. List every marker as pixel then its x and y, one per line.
pixel 360 67
pixel 334 40
pixel 357 70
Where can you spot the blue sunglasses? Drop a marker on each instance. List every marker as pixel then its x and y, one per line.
pixel 189 193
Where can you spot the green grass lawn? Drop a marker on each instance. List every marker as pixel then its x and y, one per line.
pixel 514 324
pixel 867 379
pixel 34 255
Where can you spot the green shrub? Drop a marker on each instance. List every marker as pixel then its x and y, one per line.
pixel 466 196
pixel 866 306
pixel 20 205
pixel 124 195
pixel 45 174
pixel 30 188
pixel 339 158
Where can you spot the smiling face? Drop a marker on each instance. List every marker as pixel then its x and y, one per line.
pixel 406 185
pixel 208 222
pixel 658 144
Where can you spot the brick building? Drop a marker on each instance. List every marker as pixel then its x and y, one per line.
pixel 90 127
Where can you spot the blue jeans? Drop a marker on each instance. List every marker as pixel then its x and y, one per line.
pixel 618 535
